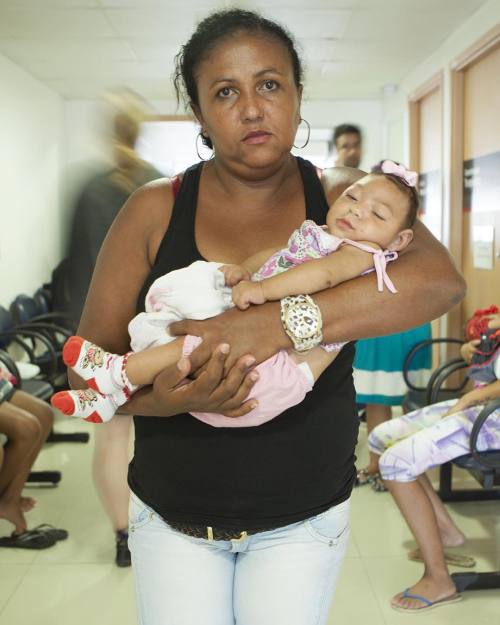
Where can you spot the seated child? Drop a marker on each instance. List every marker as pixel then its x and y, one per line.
pixel 365 227
pixel 410 445
pixel 430 436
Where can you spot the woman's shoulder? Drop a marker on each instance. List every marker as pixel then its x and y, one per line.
pixel 152 203
pixel 148 211
pixel 335 180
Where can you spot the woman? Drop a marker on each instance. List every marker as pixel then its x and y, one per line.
pixel 257 517
pixel 379 382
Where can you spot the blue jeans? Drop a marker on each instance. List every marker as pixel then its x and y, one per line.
pixel 285 576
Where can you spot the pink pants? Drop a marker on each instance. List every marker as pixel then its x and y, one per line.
pixel 282 384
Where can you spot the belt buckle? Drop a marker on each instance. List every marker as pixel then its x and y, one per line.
pixel 210 535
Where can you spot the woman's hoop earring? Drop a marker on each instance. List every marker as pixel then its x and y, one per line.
pixel 200 134
pixel 299 147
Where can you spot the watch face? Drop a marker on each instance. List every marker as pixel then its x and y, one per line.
pixel 303 321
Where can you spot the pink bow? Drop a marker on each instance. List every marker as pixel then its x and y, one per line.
pixel 409 177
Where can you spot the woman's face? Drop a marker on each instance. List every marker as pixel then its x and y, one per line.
pixel 249 104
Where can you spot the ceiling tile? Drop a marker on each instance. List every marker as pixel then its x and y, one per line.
pixel 313 23
pixel 64 54
pixel 53 23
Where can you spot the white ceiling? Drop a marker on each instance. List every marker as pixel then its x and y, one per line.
pixel 351 48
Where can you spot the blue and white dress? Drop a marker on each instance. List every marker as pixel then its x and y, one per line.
pixel 378 366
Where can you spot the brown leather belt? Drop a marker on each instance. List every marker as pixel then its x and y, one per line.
pixel 214 533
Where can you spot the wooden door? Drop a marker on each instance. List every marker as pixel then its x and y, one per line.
pixel 481 192
pixel 430 152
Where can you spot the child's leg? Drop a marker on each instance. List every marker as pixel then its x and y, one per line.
pixel 317 358
pixel 109 373
pixel 88 404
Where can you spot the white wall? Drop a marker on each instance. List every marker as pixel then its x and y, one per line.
pixel 84 126
pixel 30 155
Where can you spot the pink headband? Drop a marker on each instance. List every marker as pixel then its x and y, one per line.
pixel 409 177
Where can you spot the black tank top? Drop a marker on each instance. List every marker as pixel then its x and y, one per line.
pixel 292 467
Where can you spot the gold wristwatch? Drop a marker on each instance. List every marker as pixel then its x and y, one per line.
pixel 302 321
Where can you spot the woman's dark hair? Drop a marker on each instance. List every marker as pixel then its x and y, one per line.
pixel 410 192
pixel 211 31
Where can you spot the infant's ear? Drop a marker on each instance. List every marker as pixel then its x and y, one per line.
pixel 402 240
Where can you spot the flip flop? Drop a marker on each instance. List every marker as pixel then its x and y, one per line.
pixel 30 539
pixel 50 530
pixel 377 483
pixel 428 604
pixel 362 478
pixel 453 559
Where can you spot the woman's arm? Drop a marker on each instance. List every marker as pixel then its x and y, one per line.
pixel 309 277
pixel 428 286
pixel 124 262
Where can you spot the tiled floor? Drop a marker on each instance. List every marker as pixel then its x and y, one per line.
pixel 76 583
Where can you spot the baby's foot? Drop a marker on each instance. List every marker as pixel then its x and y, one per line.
pixel 89 405
pixel 103 371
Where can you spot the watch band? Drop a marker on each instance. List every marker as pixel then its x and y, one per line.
pixel 302 321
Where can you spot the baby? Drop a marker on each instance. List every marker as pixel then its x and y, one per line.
pixel 365 228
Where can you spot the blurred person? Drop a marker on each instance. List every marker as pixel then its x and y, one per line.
pixel 347 142
pixel 26 422
pixel 96 208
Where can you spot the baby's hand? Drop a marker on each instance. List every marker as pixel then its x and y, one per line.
pixel 234 274
pixel 468 350
pixel 246 293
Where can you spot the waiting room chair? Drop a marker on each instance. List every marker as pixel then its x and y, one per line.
pixel 489 463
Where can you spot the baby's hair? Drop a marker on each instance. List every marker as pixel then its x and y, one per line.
pixel 214 29
pixel 410 192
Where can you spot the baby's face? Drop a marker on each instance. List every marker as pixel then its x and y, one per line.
pixel 372 209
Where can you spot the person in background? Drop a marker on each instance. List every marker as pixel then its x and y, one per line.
pixel 347 144
pixel 26 422
pixel 96 208
pixel 379 382
pixel 410 445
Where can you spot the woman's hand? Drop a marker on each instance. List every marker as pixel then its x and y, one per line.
pixel 257 331
pixel 467 350
pixel 173 394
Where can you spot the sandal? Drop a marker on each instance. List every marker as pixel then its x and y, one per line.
pixel 30 539
pixel 50 530
pixel 427 603
pixel 377 483
pixel 362 477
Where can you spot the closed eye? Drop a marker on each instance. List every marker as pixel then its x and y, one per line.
pixel 379 216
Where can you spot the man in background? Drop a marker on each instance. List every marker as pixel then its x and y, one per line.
pixel 347 142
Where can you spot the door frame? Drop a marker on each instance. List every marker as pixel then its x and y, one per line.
pixel 483 46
